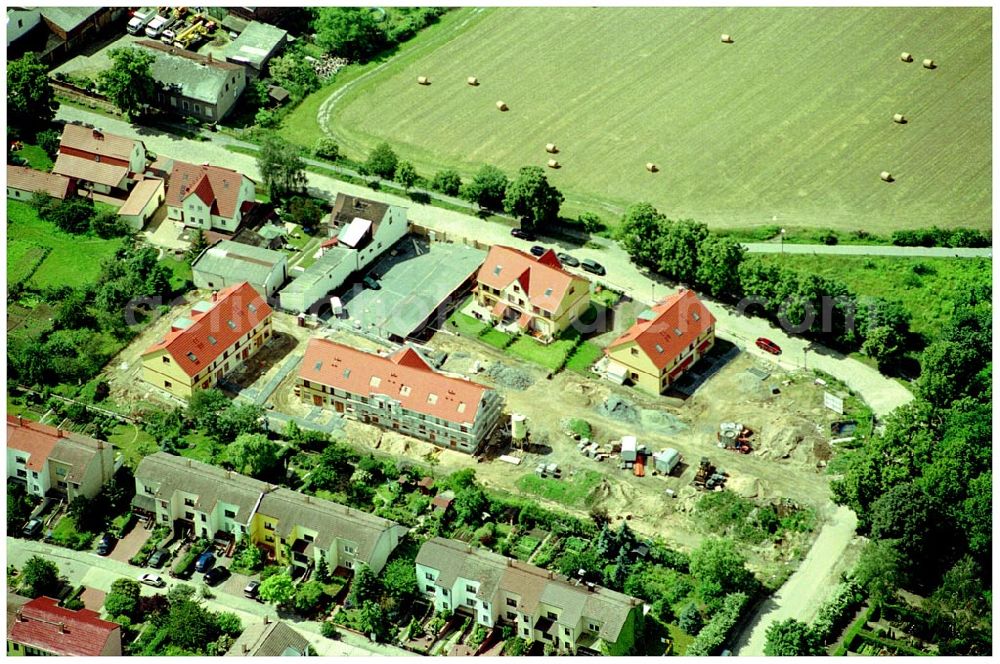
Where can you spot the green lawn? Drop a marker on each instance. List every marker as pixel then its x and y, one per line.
pixel 496 338
pixel 680 639
pixel 584 357
pixel 927 287
pixel 66 534
pixel 73 260
pixel 199 447
pixel 23 258
pixel 620 87
pixel 467 325
pixel 180 274
pixel 133 442
pixel 571 492
pixel 36 157
pixel 551 356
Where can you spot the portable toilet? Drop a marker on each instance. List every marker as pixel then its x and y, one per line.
pixel 666 460
pixel 628 448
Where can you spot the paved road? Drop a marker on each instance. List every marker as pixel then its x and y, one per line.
pixel 882 394
pixel 801 596
pixel 867 250
pixel 87 568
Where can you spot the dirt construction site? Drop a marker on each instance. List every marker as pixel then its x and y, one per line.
pixel 785 412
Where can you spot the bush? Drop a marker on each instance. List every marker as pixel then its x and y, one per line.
pixel 515 647
pixel 715 633
pixel 327 148
pixel 591 222
pixel 329 630
pixel 185 564
pixel 835 611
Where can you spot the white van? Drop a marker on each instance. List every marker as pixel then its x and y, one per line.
pixel 139 19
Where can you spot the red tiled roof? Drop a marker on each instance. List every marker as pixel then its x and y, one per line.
pixel 95 141
pixel 681 312
pixel 231 305
pixel 36 439
pixel 89 171
pixel 218 188
pixel 544 280
pixel 403 376
pixel 47 626
pixel 28 179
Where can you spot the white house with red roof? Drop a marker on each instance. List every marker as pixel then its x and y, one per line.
pixel 664 342
pixel 215 338
pixel 98 160
pixel 208 197
pixel 535 294
pixel 41 627
pixel 53 460
pixel 400 392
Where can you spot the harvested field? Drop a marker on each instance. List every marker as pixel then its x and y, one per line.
pixel 799 108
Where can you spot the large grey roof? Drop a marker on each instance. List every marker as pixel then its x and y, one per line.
pixel 192 76
pixel 68 18
pixel 454 559
pixel 330 520
pixel 275 639
pixel 318 271
pixel 234 260
pixel 255 44
pixel 166 473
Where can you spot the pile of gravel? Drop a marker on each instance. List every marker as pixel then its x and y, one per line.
pixel 661 422
pixel 509 377
pixel 618 408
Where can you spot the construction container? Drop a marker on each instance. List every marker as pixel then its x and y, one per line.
pixel 666 460
pixel 628 448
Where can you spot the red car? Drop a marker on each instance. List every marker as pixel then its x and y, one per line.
pixel 769 346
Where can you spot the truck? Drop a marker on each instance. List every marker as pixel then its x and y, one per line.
pixel 140 18
pixel 159 23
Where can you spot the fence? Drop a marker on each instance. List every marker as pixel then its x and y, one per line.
pixel 82 95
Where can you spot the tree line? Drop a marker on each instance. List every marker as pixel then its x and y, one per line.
pixel 818 308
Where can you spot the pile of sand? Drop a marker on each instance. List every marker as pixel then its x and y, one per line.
pixel 783 437
pixel 661 422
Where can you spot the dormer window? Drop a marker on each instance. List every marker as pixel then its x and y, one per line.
pixel 404 391
pixel 252 308
pixel 496 270
pixel 694 315
pixel 231 324
pixel 192 357
pixel 461 406
pixel 212 340
pixel 375 381
pixel 347 373
pixel 548 292
pixel 659 348
pixel 432 399
pixel 677 331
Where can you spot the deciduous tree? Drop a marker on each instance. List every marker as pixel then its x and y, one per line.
pixel 531 197
pixel 487 188
pixel 39 577
pixel 253 453
pixel 448 182
pixel 277 589
pixel 129 83
pixel 382 162
pixel 281 168
pixel 353 33
pixel 30 100
pixel 406 174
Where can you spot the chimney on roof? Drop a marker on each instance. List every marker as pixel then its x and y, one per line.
pixel 267 620
pixel 20 421
pixel 62 627
pixel 98 135
pixel 19 615
pixel 59 432
pixel 215 296
pixel 246 648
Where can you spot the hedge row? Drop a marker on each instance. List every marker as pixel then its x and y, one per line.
pixel 714 634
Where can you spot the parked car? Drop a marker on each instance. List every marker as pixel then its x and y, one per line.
pixel 205 562
pixel 216 575
pixel 371 283
pixel 106 544
pixel 769 346
pixel 252 589
pixel 154 580
pixel 592 266
pixel 158 25
pixel 566 259
pixel 522 234
pixel 158 558
pixel 537 250
pixel 33 528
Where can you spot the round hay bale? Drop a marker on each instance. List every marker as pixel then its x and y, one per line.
pixel 551 148
pixel 929 64
pixel 423 80
pixel 886 176
pixel 906 57
pixel 553 163
pixel 502 106
pixel 651 167
pixel 899 118
pixel 472 80
pixel 727 39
